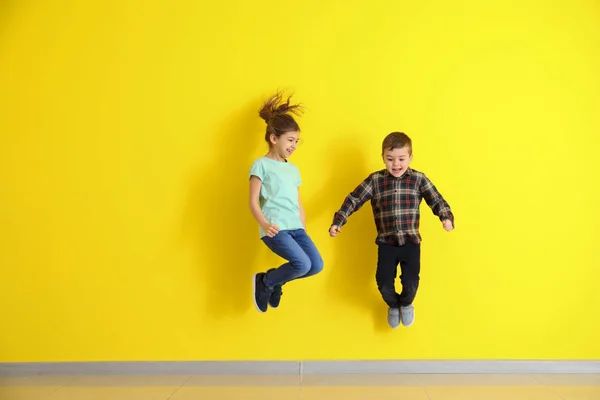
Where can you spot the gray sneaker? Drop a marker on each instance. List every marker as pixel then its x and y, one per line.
pixel 408 315
pixel 394 317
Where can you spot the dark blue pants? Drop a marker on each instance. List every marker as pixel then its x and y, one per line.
pixel 388 258
pixel 303 258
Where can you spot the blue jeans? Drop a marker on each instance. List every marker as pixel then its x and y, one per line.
pixel 301 253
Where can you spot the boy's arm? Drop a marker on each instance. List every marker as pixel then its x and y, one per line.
pixel 354 201
pixel 435 201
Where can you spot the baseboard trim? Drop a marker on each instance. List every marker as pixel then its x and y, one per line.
pixel 154 368
pixel 300 367
pixel 451 367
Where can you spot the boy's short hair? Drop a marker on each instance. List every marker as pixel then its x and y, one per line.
pixel 396 140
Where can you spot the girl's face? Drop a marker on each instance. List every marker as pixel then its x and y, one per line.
pixel 285 144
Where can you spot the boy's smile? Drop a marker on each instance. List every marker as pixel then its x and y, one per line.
pixel 397 160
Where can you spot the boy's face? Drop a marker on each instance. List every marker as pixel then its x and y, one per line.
pixel 397 160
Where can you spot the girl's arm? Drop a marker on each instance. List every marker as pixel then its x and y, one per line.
pixel 302 213
pixel 255 185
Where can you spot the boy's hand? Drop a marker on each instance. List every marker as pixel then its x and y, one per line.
pixel 271 230
pixel 448 225
pixel 334 230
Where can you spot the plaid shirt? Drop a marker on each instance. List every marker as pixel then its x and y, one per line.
pixel 395 203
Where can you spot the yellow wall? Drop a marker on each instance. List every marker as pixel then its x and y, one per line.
pixel 127 129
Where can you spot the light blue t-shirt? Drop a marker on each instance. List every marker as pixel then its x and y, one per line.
pixel 278 193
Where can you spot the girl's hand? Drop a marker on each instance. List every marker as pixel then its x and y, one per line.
pixel 334 230
pixel 271 230
pixel 447 225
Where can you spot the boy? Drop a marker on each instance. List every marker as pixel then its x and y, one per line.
pixel 395 194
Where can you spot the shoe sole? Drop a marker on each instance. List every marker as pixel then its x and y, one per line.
pixel 254 294
pixel 409 325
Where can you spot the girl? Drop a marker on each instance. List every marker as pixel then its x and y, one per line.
pixel 275 204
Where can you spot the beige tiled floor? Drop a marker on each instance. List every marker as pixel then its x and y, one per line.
pixel 308 387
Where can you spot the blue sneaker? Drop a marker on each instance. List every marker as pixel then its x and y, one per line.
pixel 275 296
pixel 262 293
